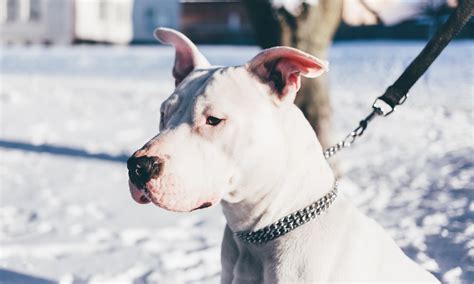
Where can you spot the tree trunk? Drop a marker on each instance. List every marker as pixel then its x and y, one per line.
pixel 310 31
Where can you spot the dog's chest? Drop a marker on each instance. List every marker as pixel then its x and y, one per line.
pixel 275 262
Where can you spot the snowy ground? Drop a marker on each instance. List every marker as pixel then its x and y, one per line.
pixel 71 116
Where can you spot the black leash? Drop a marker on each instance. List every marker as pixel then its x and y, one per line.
pixel 397 93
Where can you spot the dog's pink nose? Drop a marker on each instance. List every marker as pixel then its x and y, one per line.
pixel 142 169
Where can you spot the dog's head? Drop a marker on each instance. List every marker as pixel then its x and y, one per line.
pixel 221 128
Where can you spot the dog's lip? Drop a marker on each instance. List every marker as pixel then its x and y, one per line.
pixel 145 198
pixel 140 195
pixel 204 205
pixel 146 194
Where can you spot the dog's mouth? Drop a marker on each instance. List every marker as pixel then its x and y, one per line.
pixel 147 194
pixel 202 206
pixel 140 195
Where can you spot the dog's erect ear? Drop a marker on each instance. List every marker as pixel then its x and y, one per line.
pixel 281 67
pixel 187 57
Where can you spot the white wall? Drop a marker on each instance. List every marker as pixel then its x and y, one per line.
pixel 124 21
pixel 36 21
pixel 104 20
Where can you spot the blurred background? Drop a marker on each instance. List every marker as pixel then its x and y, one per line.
pixel 203 21
pixel 81 82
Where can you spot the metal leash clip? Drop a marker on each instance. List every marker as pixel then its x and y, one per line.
pixel 382 107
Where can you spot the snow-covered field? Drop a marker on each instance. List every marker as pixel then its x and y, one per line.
pixel 69 118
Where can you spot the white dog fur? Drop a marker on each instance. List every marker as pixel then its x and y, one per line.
pixel 262 161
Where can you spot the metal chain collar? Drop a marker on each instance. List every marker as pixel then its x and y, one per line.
pixel 289 222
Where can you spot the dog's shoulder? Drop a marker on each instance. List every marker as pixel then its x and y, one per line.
pixel 344 244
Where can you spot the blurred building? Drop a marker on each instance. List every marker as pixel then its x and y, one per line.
pixel 67 21
pixel 216 21
pixel 147 15
pixel 123 21
pixel 227 21
pixel 103 21
pixel 36 21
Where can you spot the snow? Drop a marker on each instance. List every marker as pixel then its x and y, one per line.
pixel 70 116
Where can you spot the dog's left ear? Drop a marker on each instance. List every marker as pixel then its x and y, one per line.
pixel 281 68
pixel 187 56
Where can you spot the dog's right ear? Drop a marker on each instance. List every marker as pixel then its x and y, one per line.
pixel 282 67
pixel 187 56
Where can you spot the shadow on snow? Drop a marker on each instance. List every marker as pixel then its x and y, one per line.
pixel 61 151
pixel 8 276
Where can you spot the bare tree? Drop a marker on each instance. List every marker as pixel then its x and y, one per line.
pixel 311 29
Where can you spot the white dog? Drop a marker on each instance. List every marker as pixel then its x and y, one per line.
pixel 233 134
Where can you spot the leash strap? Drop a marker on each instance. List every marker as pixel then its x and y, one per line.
pixel 397 93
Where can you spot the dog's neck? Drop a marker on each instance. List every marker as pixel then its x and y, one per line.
pixel 308 178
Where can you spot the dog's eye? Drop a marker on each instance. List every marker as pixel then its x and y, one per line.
pixel 212 120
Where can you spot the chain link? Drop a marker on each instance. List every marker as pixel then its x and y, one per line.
pixel 347 142
pixel 352 137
